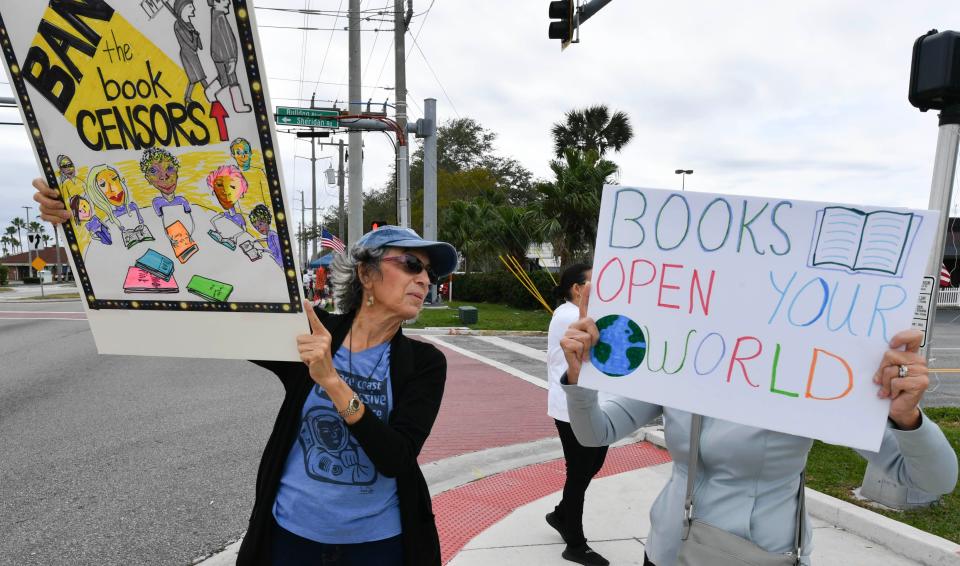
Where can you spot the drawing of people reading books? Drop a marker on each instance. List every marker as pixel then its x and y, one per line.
pixel 83 213
pixel 229 186
pixel 107 192
pixel 161 170
pixel 260 217
pixel 255 176
pixel 70 184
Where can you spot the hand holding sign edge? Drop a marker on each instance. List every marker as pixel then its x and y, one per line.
pixel 579 338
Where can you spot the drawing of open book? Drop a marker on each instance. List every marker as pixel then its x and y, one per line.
pixel 863 241
pixel 209 289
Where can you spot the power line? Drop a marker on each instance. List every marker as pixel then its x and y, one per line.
pixel 303 28
pixel 323 63
pixel 436 78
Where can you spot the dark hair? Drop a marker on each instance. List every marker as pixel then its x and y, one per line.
pixel 572 275
pixel 260 213
pixel 75 206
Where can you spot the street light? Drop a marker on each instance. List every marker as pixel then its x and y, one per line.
pixel 683 177
pixel 331 174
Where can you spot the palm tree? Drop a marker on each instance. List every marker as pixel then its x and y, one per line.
pixel 5 243
pixel 11 230
pixel 592 128
pixel 567 210
pixel 18 223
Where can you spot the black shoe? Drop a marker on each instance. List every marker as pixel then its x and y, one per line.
pixel 583 554
pixel 555 522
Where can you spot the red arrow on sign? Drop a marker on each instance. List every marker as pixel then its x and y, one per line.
pixel 219 113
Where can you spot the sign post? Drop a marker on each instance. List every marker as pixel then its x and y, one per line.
pixel 39 264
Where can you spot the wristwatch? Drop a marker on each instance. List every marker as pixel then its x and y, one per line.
pixel 353 407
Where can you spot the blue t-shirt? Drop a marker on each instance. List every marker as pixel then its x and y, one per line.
pixel 330 492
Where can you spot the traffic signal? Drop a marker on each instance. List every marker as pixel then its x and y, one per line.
pixel 377 223
pixel 562 28
pixel 935 71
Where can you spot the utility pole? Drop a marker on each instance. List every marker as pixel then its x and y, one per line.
pixel 400 23
pixel 340 185
pixel 355 225
pixel 430 178
pixel 313 183
pixel 303 229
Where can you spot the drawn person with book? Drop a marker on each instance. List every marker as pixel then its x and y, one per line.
pixel 224 52
pixel 161 170
pixel 108 193
pixel 255 176
pixel 229 186
pixel 189 39
pixel 260 217
pixel 83 213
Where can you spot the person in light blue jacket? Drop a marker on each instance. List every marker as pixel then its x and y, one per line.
pixel 750 478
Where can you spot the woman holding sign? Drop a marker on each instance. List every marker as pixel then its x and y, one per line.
pixel 582 462
pixel 339 481
pixel 746 489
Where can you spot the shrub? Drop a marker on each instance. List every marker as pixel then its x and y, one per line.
pixel 31 280
pixel 4 275
pixel 502 287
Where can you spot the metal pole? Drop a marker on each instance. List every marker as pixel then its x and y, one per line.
pixel 313 186
pixel 430 177
pixel 340 185
pixel 944 171
pixel 403 152
pixel 355 226
pixel 590 8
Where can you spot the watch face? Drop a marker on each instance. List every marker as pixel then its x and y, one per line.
pixel 353 405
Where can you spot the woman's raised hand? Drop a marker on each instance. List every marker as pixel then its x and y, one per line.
pixel 51 207
pixel 904 392
pixel 579 338
pixel 315 350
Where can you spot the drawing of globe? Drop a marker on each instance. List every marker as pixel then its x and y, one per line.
pixel 621 348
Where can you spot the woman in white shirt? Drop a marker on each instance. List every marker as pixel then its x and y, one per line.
pixel 582 462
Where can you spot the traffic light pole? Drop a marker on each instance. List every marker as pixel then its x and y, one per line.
pixel 355 225
pixel 400 22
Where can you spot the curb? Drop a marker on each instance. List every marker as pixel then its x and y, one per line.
pixel 464 331
pixel 895 536
pixel 38 301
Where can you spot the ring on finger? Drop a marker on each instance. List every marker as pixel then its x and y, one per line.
pixel 902 370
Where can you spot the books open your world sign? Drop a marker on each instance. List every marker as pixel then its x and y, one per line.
pixel 765 312
pixel 153 121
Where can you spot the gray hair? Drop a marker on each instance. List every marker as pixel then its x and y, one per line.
pixel 344 273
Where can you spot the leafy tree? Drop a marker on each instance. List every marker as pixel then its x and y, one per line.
pixel 592 128
pixel 567 209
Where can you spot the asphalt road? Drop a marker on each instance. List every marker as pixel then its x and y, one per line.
pixel 122 460
pixel 128 460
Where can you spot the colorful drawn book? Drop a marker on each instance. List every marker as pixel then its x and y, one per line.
pixel 134 236
pixel 210 289
pixel 863 241
pixel 156 263
pixel 183 245
pixel 140 281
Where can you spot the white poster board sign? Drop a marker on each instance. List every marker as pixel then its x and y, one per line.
pixel 152 119
pixel 770 313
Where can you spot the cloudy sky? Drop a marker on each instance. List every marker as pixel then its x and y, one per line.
pixel 786 99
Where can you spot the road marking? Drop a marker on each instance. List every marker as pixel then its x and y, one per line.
pixel 527 351
pixel 37 315
pixel 483 359
pixel 945 370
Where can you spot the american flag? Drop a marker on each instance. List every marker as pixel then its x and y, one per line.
pixel 328 240
pixel 945 278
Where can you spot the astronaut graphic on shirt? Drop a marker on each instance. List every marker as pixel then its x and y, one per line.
pixel 331 455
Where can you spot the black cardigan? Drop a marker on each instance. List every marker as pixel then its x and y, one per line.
pixel 417 375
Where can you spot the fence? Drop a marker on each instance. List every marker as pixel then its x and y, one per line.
pixel 949 297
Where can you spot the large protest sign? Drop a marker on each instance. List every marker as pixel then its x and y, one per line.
pixel 152 119
pixel 770 313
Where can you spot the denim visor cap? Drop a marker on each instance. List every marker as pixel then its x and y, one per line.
pixel 443 256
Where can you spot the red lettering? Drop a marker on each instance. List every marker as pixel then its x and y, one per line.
pixel 633 272
pixel 663 275
pixel 603 271
pixel 695 282
pixel 735 359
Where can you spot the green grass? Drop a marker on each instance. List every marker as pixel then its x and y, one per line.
pixel 837 471
pixel 53 296
pixel 489 317
pixel 5 289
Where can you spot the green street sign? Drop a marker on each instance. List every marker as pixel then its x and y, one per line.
pixel 313 117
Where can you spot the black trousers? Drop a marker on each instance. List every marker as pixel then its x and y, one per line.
pixel 583 462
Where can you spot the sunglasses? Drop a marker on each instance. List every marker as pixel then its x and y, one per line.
pixel 412 265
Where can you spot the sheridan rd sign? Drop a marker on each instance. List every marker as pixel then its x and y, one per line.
pixel 318 118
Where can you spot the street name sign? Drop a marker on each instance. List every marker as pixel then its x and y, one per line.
pixel 314 117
